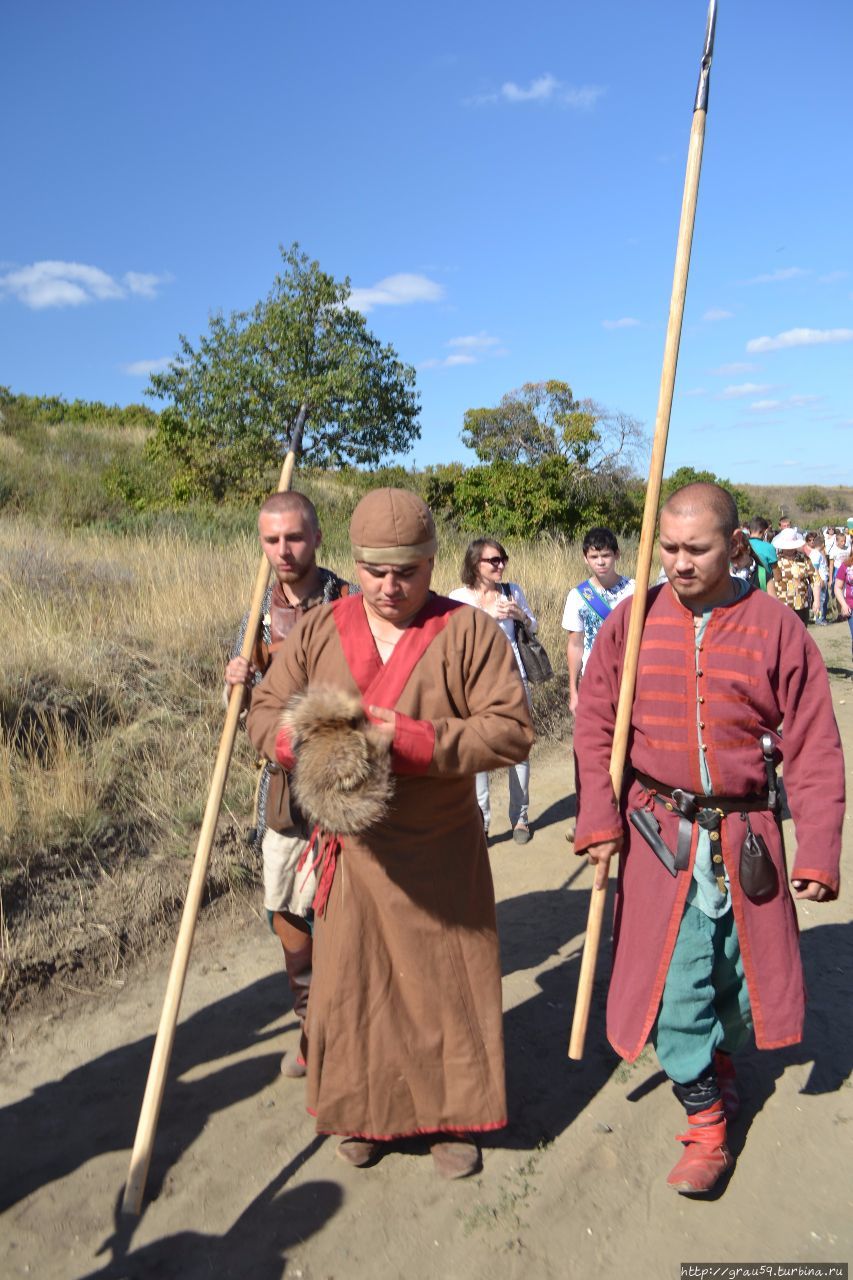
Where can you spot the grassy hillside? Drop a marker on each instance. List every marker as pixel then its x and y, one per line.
pixel 809 506
pixel 117 613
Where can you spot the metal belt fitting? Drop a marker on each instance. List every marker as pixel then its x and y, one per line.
pixel 706 811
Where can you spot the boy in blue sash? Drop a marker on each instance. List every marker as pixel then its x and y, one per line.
pixel 588 604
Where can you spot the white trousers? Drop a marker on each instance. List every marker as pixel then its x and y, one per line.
pixel 519 794
pixel 285 888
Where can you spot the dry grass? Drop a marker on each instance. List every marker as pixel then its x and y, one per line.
pixel 113 650
pixel 111 714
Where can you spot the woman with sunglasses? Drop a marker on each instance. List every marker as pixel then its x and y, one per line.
pixel 484 587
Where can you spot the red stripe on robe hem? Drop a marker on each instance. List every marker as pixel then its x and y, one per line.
pixel 412 1133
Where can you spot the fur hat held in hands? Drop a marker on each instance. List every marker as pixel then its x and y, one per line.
pixel 342 777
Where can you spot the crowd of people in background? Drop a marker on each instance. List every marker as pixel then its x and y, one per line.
pixel 806 569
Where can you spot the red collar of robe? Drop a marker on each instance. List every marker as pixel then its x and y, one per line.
pixel 381 684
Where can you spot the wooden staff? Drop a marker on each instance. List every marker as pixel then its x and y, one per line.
pixel 650 511
pixel 155 1086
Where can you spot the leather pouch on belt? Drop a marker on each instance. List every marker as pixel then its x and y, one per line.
pixel 757 874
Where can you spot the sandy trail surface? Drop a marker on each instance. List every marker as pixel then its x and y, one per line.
pixel 241 1186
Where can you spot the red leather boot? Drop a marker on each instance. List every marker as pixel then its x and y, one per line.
pixel 706 1157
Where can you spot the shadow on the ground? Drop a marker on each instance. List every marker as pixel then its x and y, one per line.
pixel 562 810
pixel 255 1245
pixel 93 1109
pixel 547 1090
pixel 827 1044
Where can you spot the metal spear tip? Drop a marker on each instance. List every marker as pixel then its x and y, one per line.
pixel 701 103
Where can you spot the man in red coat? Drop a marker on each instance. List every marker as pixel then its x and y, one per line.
pixel 705 936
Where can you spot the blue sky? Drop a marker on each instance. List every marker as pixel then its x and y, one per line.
pixel 502 184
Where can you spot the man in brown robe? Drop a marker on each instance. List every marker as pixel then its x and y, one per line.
pixel 405 1020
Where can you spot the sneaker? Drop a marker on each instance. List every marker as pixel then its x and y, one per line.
pixel 521 833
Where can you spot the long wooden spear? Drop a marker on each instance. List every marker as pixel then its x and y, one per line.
pixel 155 1086
pixel 650 511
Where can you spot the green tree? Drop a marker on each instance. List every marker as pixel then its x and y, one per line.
pixel 523 501
pixel 544 420
pixel 233 399
pixel 812 500
pixel 689 475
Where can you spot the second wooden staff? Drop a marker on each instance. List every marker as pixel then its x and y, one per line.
pixel 650 512
pixel 156 1083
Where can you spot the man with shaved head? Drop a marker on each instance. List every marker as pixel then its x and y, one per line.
pixel 705 939
pixel 289 532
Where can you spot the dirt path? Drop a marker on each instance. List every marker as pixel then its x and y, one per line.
pixel 240 1185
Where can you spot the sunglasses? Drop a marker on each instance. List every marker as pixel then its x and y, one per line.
pixel 495 561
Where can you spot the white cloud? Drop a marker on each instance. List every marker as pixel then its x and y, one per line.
pixel 728 370
pixel 743 389
pixel 791 402
pixel 832 276
pixel 475 342
pixel 781 273
pixel 800 338
pixel 539 91
pixel 142 368
pixel 396 291
pixel 626 322
pixel 544 88
pixel 449 362
pixel 717 313
pixel 143 283
pixel 53 283
pixel 800 401
pixel 470 348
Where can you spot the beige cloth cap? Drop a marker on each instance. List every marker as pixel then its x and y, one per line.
pixel 392 526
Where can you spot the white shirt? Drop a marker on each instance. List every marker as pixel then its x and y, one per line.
pixel 507 625
pixel 578 615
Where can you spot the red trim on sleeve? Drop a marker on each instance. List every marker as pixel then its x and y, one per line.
pixel 598 837
pixel 283 749
pixel 824 877
pixel 413 745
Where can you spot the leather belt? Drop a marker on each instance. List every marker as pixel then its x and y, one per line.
pixel 683 800
pixel 706 811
